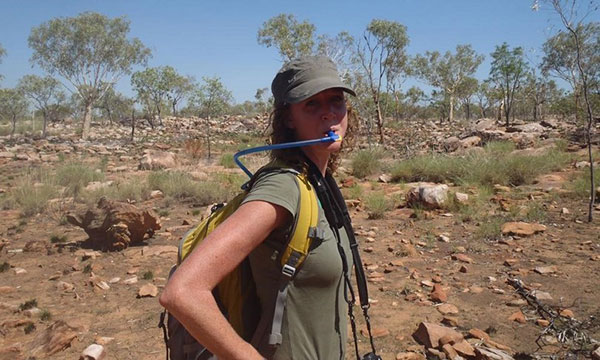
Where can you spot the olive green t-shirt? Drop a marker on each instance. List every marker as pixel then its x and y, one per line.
pixel 315 316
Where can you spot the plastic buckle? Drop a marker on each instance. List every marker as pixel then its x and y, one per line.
pixel 288 270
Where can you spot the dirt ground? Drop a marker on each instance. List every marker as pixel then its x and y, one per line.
pixel 403 254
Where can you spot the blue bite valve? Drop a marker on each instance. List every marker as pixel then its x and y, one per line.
pixel 331 137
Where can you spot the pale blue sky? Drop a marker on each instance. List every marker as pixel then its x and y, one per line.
pixel 218 38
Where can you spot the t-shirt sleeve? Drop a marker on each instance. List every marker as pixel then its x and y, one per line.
pixel 276 188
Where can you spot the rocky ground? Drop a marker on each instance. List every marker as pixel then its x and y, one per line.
pixel 437 289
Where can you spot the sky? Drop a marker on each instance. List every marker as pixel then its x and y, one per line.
pixel 218 38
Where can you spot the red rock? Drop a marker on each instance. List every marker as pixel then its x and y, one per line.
pixel 429 334
pixel 463 269
pixel 148 290
pixel 462 257
pixel 464 348
pixel 518 317
pixel 522 228
pixel 450 352
pixel 438 294
pixel 568 313
pixel 542 322
pixel 479 334
pixel 376 332
pixel 409 356
pixel 446 309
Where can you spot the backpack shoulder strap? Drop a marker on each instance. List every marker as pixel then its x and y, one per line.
pixel 294 253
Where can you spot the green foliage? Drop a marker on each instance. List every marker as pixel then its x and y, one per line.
pixel 291 38
pixel 227 161
pixel 495 165
pixel 366 162
pixel 122 191
pixel 163 212
pixel 13 106
pixel 377 204
pixel 196 212
pixel 45 315
pixel 29 328
pixel 450 73
pixel 490 228
pixel 4 267
pixel 179 185
pixel 353 192
pixel 148 275
pixel 87 269
pixel 75 176
pixel 44 92
pixel 55 239
pixel 580 184
pixel 28 305
pixel 32 197
pixel 90 51
pixel 508 70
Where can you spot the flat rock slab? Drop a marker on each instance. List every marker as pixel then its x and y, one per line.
pixel 522 228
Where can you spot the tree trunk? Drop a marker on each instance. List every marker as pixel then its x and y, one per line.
pixel 174 112
pixel 451 110
pixel 87 121
pixel 14 125
pixel 379 122
pixel 132 124
pixel 45 114
pixel 208 135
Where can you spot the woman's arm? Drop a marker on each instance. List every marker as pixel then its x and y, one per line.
pixel 188 294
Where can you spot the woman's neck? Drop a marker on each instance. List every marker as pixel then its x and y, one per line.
pixel 317 159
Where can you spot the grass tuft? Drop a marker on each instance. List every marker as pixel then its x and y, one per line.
pixel 377 204
pixel 366 162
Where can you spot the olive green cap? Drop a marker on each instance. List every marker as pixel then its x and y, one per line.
pixel 304 77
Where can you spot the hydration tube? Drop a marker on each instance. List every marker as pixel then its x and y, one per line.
pixel 331 137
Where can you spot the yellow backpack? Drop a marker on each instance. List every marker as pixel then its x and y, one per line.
pixel 236 293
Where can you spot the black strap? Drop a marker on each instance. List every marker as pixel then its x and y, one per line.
pixel 337 213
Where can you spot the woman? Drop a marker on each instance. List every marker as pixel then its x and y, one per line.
pixel 309 102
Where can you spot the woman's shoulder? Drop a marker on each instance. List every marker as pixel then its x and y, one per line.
pixel 276 186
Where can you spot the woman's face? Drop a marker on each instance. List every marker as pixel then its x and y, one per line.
pixel 314 117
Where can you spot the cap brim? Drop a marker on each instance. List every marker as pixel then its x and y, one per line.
pixel 313 87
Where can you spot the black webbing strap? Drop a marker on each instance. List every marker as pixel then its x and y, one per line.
pixel 336 213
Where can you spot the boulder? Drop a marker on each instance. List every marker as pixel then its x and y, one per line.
pixel 93 352
pixel 56 337
pixel 430 196
pixel 115 225
pixel 429 334
pixel 155 160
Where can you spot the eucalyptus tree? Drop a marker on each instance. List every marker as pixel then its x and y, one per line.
pixel 151 89
pixel 508 70
pixel 45 93
pixel 291 37
pixel 211 99
pixel 381 52
pixel 178 87
pixel 560 57
pixel 90 52
pixel 487 96
pixel 572 14
pixel 449 72
pixel 115 106
pixel 13 106
pixel 339 49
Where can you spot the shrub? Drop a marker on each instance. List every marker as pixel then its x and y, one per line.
pixel 496 164
pixel 75 176
pixel 227 161
pixel 490 228
pixel 28 305
pixel 30 196
pixel 366 162
pixel 377 204
pixel 29 328
pixel 131 190
pixel 58 239
pixel 45 315
pixel 148 275
pixel 580 183
pixel 179 185
pixel 87 269
pixel 4 267
pixel 353 192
